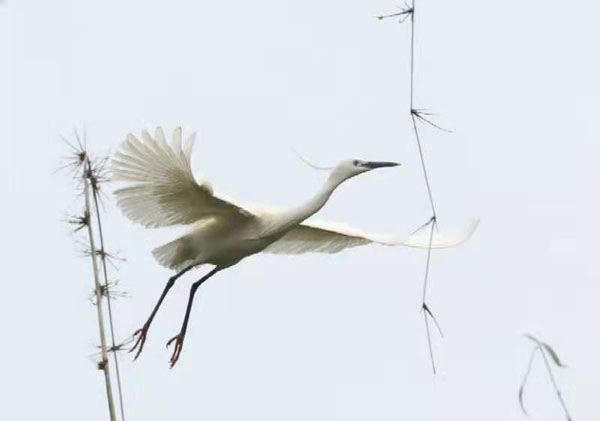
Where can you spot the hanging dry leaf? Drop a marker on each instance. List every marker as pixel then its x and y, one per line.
pixel 549 350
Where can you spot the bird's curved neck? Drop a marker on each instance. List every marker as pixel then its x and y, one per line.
pixel 298 214
pixel 315 203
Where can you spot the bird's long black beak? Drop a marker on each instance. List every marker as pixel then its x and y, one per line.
pixel 373 165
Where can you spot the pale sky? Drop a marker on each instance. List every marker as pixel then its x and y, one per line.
pixel 319 337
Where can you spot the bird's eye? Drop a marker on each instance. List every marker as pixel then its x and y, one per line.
pixel 356 163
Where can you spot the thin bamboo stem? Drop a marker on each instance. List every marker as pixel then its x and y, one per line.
pixel 414 114
pixel 109 306
pixel 555 384
pixel 104 363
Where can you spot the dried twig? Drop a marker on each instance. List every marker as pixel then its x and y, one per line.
pixel 79 221
pixel 121 347
pixel 109 292
pixel 422 116
pixel 103 365
pixel 98 174
pixel 76 160
pixel 544 349
pixel 90 174
pixel 402 15
pixel 105 256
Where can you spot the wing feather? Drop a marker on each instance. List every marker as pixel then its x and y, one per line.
pixel 323 237
pixel 162 190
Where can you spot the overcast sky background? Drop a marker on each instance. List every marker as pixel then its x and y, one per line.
pixel 319 337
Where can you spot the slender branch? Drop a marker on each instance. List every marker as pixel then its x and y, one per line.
pixel 424 167
pixel 554 384
pixel 403 14
pixel 414 115
pixel 426 311
pixel 412 54
pixel 426 277
pixel 545 350
pixel 108 302
pixel 420 115
pixel 104 361
pixel 526 376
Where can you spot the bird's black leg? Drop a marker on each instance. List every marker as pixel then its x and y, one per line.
pixel 143 332
pixel 179 338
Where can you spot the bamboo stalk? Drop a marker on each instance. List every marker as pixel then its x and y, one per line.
pixel 554 384
pixel 419 115
pixel 104 363
pixel 108 305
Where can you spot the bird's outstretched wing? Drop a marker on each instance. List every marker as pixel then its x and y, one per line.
pixel 331 238
pixel 163 190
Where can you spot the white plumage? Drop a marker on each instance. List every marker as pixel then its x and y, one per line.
pixel 162 191
pixel 165 191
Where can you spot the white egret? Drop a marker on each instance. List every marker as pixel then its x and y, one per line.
pixel 163 192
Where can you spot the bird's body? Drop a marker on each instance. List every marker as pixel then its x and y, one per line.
pixel 163 192
pixel 225 240
pixel 199 246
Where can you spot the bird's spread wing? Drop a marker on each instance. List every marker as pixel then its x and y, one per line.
pixel 163 190
pixel 331 238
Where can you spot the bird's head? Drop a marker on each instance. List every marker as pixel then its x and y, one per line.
pixel 353 167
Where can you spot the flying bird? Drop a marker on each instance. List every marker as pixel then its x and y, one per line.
pixel 162 191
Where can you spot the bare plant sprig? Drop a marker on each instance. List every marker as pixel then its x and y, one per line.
pixel 114 349
pixel 544 350
pixel 79 221
pixel 402 15
pixel 103 364
pixel 422 116
pixel 75 161
pixel 90 173
pixel 98 174
pixel 120 347
pixel 105 256
pixel 110 292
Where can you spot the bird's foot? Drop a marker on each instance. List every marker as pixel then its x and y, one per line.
pixel 141 340
pixel 178 347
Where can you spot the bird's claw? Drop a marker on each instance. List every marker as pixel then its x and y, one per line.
pixel 139 343
pixel 178 347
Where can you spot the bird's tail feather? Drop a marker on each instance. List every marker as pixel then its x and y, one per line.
pixel 172 255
